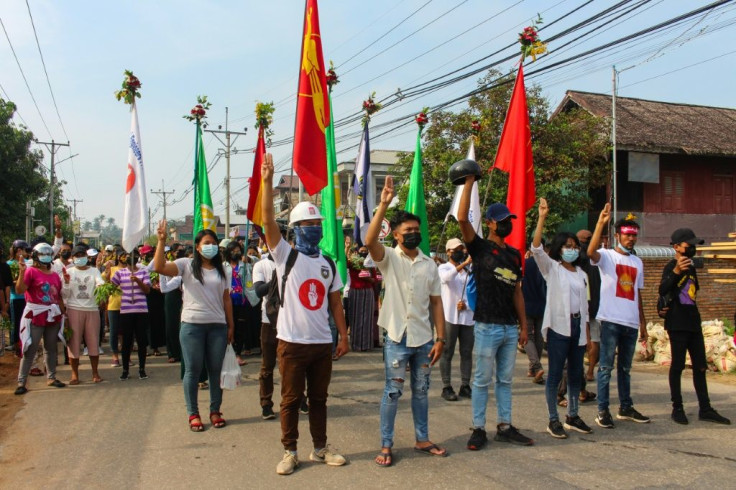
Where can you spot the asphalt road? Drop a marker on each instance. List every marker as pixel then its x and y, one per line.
pixel 135 434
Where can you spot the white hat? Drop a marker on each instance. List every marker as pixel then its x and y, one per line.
pixel 109 248
pixel 303 211
pixel 167 249
pixel 225 242
pixel 91 252
pixel 453 243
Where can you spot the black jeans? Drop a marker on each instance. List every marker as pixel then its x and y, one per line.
pixel 682 342
pixel 134 324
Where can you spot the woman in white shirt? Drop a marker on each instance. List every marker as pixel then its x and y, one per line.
pixel 565 323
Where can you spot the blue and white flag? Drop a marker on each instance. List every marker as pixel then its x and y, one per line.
pixel 365 197
pixel 474 215
pixel 136 206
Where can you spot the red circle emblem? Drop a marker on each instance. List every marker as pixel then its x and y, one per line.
pixel 312 294
pixel 131 179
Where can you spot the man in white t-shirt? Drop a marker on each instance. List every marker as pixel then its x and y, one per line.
pixel 620 313
pixel 305 340
pixel 262 273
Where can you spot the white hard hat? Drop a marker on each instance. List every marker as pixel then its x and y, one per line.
pixel 43 249
pixel 225 242
pixel 304 211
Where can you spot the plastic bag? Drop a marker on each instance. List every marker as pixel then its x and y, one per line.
pixel 230 376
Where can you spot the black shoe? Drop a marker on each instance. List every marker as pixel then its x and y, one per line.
pixel 142 374
pixel 511 434
pixel 477 440
pixel 710 415
pixel 631 414
pixel 21 390
pixel 124 376
pixel 465 392
pixel 449 394
pixel 576 423
pixel 678 415
pixel 555 429
pixel 304 407
pixel 604 419
pixel 267 413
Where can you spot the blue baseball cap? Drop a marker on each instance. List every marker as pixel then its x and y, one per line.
pixel 498 212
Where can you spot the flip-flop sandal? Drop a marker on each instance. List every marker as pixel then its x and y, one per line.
pixel 73 382
pixel 217 421
pixel 562 402
pixel 195 423
pixel 586 396
pixel 242 362
pixel 428 450
pixel 386 459
pixel 97 380
pixel 36 372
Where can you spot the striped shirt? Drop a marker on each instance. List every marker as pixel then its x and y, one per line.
pixel 133 300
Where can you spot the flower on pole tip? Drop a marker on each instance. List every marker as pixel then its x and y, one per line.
pixel 264 119
pixel 370 107
pixel 422 118
pixel 130 88
pixel 332 78
pixel 475 128
pixel 199 111
pixel 531 45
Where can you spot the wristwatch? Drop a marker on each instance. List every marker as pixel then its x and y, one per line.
pixel 441 339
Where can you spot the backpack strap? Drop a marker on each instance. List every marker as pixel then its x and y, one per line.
pixel 293 254
pixel 333 267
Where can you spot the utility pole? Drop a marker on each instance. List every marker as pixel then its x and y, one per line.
pixel 163 192
pixel 30 213
pixel 74 220
pixel 52 147
pixel 613 145
pixel 227 143
pixel 149 221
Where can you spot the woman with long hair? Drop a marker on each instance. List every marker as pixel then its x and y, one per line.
pixel 240 272
pixel 42 316
pixel 206 318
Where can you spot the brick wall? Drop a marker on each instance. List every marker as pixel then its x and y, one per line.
pixel 715 300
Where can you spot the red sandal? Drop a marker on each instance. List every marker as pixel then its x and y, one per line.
pixel 217 421
pixel 195 423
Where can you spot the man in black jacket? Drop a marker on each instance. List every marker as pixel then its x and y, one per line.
pixel 679 287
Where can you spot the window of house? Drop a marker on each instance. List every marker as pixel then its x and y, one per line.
pixel 380 182
pixel 673 191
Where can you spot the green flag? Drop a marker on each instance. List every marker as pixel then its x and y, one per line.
pixel 204 215
pixel 332 244
pixel 415 202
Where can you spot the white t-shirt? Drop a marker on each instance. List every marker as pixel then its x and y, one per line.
pixel 202 303
pixel 79 294
pixel 622 278
pixel 304 317
pixel 454 289
pixel 262 272
pixel 576 288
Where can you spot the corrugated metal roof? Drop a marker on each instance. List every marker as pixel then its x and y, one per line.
pixel 654 252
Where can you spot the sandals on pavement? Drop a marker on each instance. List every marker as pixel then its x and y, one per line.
pixel 384 459
pixel 587 396
pixel 36 372
pixel 195 423
pixel 562 401
pixel 217 421
pixel 432 450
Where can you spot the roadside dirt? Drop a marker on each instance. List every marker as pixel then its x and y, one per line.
pixel 9 403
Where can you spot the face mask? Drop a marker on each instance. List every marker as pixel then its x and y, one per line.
pixel 44 259
pixel 29 262
pixel 503 228
pixel 412 240
pixel 209 250
pixel 80 261
pixel 570 255
pixel 66 254
pixel 458 256
pixel 690 251
pixel 629 251
pixel 363 254
pixel 236 257
pixel 308 238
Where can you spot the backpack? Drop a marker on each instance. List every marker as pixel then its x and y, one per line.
pixel 274 298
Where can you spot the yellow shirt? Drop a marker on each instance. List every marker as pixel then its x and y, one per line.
pixel 113 303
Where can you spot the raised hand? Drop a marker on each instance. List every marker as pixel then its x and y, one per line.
pixel 267 167
pixel 161 231
pixel 387 194
pixel 543 208
pixel 605 216
pixel 57 221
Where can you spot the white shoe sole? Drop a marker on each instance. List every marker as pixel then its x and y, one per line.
pixel 601 425
pixel 623 417
pixel 556 436
pixel 576 429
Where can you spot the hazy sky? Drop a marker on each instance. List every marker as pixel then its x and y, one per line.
pixel 238 53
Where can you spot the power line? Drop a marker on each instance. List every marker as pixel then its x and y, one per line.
pixel 8 99
pixel 678 69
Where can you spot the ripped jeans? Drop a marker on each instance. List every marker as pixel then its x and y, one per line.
pixel 396 357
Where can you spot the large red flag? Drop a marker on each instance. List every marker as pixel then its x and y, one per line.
pixel 254 212
pixel 515 157
pixel 312 108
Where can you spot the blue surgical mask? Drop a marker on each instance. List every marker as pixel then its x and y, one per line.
pixel 210 250
pixel 629 251
pixel 570 255
pixel 44 259
pixel 308 238
pixel 80 261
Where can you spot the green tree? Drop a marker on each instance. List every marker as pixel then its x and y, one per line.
pixel 569 155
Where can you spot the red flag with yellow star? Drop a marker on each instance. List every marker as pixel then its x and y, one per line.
pixel 515 157
pixel 312 108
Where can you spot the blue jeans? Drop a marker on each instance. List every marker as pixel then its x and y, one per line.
pixel 495 353
pixel 200 341
pixel 560 349
pixel 396 356
pixel 615 335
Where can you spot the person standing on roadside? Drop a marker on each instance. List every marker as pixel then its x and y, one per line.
pixel 500 320
pixel 454 276
pixel 620 312
pixel 534 289
pixel 305 341
pixel 413 292
pixel 683 324
pixel 262 272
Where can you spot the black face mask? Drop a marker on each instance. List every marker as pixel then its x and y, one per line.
pixel 412 240
pixel 236 257
pixel 66 254
pixel 503 228
pixel 458 256
pixel 690 251
pixel 363 254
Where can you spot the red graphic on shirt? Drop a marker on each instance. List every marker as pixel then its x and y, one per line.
pixel 312 294
pixel 626 281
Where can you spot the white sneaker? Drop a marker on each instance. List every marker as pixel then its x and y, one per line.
pixel 328 456
pixel 101 350
pixel 288 464
pixel 86 352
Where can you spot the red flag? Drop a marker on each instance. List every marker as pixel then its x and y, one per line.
pixel 254 212
pixel 312 108
pixel 515 157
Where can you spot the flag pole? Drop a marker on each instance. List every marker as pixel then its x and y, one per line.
pixel 296 116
